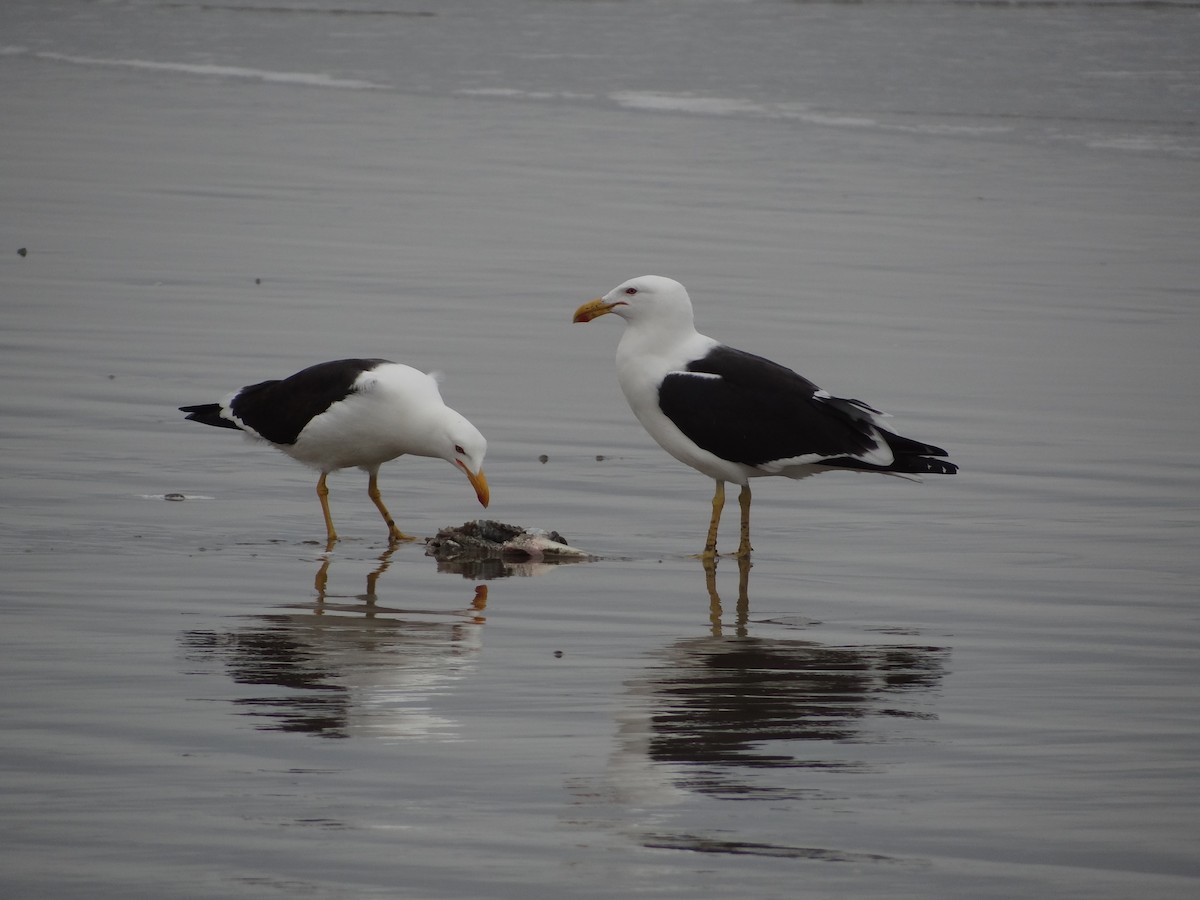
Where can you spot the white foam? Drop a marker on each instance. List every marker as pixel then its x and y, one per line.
pixel 309 79
pixel 687 103
pixel 725 106
pixel 1142 143
pixel 706 105
pixel 518 94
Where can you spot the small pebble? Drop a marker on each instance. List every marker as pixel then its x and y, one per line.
pixel 22 252
pixel 543 458
pixel 174 495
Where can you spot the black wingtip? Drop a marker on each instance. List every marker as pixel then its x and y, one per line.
pixel 919 458
pixel 208 414
pixel 940 467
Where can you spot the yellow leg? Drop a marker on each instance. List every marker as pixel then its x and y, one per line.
pixel 394 533
pixel 323 496
pixel 744 547
pixel 718 504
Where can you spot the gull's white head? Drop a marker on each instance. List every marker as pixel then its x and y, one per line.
pixel 645 298
pixel 462 445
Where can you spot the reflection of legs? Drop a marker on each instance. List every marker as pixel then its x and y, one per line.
pixel 385 560
pixel 714 599
pixel 715 611
pixel 718 504
pixel 744 547
pixel 394 533
pixel 321 580
pixel 743 600
pixel 323 496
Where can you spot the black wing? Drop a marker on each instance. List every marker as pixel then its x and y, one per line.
pixel 278 410
pixel 757 411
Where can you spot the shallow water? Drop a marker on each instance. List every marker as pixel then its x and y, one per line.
pixel 977 686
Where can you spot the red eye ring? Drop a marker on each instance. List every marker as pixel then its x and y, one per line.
pixel 631 290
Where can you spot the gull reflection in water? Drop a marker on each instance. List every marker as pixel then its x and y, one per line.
pixel 345 665
pixel 731 716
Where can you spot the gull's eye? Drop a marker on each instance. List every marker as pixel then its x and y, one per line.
pixel 631 290
pixel 459 449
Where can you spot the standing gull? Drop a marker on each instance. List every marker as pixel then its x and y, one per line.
pixel 735 416
pixel 353 412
